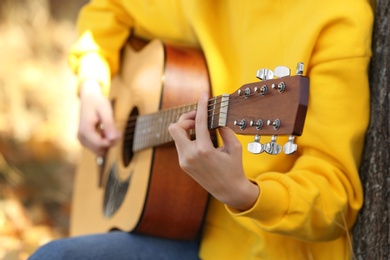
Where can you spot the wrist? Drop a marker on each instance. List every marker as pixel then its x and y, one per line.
pixel 90 86
pixel 245 197
pixel 251 194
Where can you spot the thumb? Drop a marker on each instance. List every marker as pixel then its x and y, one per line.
pixel 107 122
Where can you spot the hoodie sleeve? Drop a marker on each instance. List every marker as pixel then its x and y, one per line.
pixel 319 197
pixel 104 26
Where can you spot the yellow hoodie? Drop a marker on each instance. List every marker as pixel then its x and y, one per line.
pixel 309 200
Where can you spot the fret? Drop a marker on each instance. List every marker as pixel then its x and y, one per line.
pixel 160 122
pixel 156 123
pixel 137 136
pixel 162 128
pixel 164 124
pixel 145 130
pixel 212 112
pixel 146 138
pixel 170 116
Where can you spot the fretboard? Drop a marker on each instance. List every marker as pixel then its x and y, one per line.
pixel 152 130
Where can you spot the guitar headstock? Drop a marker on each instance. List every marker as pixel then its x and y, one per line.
pixel 274 106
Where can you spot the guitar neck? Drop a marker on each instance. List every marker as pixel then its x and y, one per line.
pixel 152 130
pixel 272 107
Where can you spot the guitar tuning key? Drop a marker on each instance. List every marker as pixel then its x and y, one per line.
pixel 300 68
pixel 264 74
pixel 272 147
pixel 256 147
pixel 290 147
pixel 282 71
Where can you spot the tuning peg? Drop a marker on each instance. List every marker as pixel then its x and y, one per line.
pixel 262 90
pixel 275 123
pixel 281 71
pixel 258 124
pixel 280 87
pixel 256 147
pixel 290 147
pixel 246 92
pixel 264 74
pixel 300 68
pixel 241 123
pixel 272 147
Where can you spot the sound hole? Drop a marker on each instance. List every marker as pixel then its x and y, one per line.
pixel 115 192
pixel 127 152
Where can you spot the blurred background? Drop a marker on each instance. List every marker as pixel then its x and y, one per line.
pixel 38 120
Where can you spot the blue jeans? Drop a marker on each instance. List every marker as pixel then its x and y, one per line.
pixel 117 245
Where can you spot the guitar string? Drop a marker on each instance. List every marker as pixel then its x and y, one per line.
pixel 130 127
pixel 132 119
pixel 213 103
pixel 130 122
pixel 165 137
pixel 129 134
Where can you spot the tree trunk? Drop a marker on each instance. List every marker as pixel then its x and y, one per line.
pixel 371 233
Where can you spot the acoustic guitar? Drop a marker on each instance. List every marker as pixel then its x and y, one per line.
pixel 139 186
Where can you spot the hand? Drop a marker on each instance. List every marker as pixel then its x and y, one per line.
pixel 97 130
pixel 218 170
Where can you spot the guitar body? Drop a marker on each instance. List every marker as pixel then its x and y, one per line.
pixel 145 191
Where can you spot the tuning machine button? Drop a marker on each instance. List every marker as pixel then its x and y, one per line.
pixel 290 147
pixel 264 74
pixel 256 147
pixel 282 71
pixel 300 68
pixel 272 147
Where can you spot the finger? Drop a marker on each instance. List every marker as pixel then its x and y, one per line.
pixel 179 131
pixel 187 116
pixel 186 122
pixel 89 135
pixel 107 122
pixel 230 141
pixel 94 142
pixel 201 121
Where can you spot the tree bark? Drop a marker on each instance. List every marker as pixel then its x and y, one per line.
pixel 371 233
